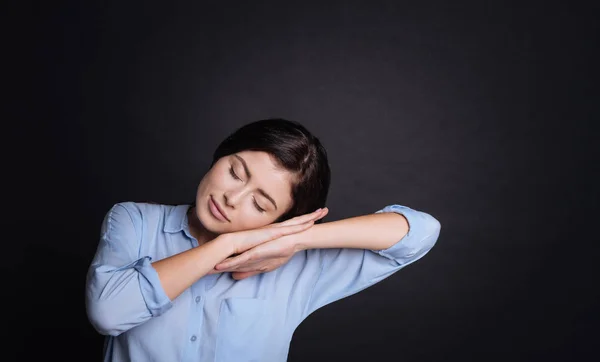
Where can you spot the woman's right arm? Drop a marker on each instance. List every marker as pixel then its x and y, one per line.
pixel 124 290
pixel 180 271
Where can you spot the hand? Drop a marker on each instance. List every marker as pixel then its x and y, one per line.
pixel 273 253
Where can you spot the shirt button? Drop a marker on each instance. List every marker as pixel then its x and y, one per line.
pixel 197 299
pixel 193 338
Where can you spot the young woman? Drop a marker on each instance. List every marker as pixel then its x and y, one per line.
pixel 229 277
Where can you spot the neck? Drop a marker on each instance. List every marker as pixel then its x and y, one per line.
pixel 198 230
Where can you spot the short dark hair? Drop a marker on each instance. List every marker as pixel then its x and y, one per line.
pixel 295 149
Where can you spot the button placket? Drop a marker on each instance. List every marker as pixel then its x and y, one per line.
pixel 199 305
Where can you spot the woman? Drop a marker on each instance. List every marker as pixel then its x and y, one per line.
pixel 230 277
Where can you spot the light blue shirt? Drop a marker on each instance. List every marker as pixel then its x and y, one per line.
pixel 218 318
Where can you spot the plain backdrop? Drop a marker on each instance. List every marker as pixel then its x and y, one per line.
pixel 477 113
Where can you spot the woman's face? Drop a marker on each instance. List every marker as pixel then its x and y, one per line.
pixel 248 188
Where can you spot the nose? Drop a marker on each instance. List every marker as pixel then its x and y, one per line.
pixel 233 197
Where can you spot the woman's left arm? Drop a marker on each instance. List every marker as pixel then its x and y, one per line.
pixel 353 253
pixel 375 232
pixel 358 252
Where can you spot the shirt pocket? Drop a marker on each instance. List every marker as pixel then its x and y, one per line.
pixel 242 330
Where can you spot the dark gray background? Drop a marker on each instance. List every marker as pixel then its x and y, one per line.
pixel 478 113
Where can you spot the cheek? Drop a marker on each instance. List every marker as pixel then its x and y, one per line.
pixel 215 181
pixel 249 220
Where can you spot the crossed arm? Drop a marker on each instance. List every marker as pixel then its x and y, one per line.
pixel 374 232
pixel 120 276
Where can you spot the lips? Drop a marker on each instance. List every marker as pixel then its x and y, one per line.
pixel 216 210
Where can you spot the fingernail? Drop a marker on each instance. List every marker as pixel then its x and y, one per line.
pixel 319 209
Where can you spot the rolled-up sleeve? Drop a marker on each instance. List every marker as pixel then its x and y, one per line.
pixel 122 288
pixel 348 271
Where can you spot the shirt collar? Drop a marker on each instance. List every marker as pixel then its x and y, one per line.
pixel 176 220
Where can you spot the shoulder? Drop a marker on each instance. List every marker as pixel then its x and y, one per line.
pixel 141 217
pixel 139 211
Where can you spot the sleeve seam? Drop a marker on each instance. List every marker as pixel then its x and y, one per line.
pixel 138 237
pixel 109 222
pixel 128 213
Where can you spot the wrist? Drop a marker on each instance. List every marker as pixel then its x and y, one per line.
pixel 302 241
pixel 227 243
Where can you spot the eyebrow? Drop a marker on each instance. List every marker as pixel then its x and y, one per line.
pixel 247 170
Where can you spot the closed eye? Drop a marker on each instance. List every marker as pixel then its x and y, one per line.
pixel 258 207
pixel 233 174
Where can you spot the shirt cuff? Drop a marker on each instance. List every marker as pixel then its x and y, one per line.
pixel 423 231
pixel 153 293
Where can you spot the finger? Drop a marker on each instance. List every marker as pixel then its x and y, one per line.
pixel 313 216
pixel 320 214
pixel 275 233
pixel 228 259
pixel 323 213
pixel 214 271
pixel 299 219
pixel 244 275
pixel 231 263
pixel 245 269
pixel 256 237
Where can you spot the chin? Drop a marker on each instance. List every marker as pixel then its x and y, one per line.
pixel 209 223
